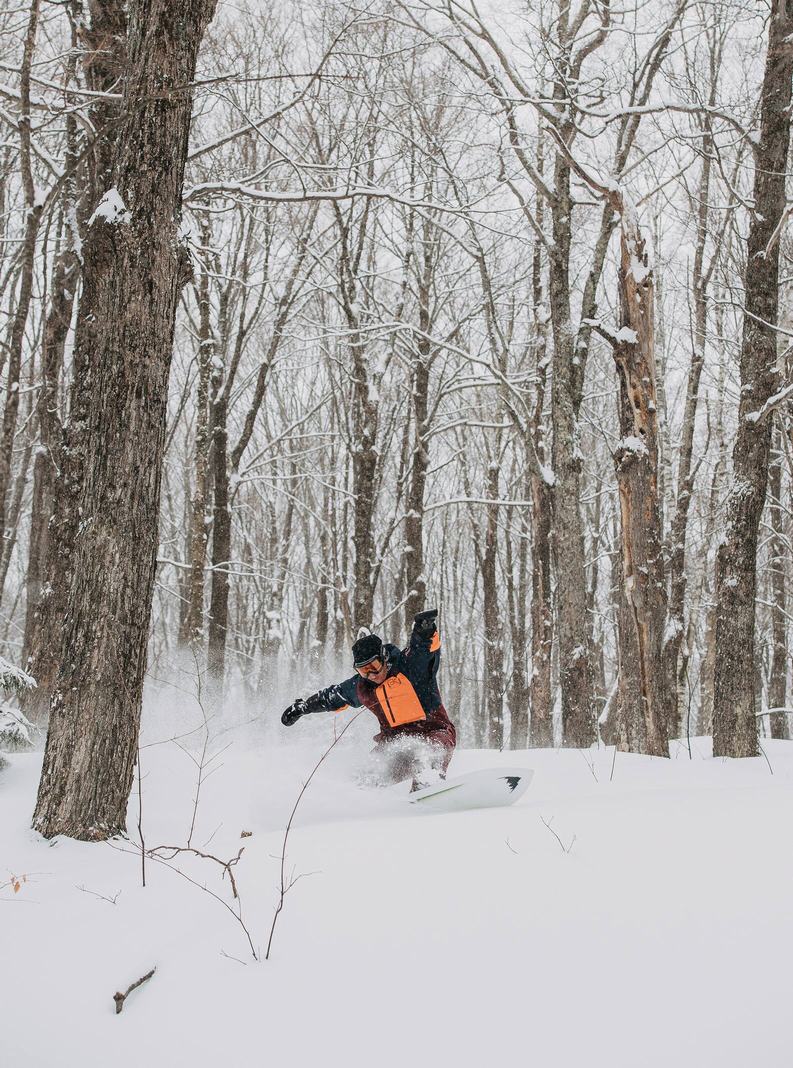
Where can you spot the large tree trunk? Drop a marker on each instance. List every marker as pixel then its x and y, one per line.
pixel 734 722
pixel 133 271
pixel 642 694
pixel 102 46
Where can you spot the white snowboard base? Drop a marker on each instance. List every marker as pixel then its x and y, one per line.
pixel 490 788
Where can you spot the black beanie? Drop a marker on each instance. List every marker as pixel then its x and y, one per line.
pixel 366 649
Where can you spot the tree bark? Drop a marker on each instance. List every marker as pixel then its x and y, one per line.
pixel 708 668
pixel 492 620
pixel 540 685
pixel 364 482
pixel 642 694
pixel 687 469
pixel 518 689
pixel 415 581
pixel 101 42
pixel 777 562
pixel 192 626
pixel 59 314
pixel 541 692
pixel 734 720
pixel 567 536
pixel 134 268
pixel 221 548
pixel 33 209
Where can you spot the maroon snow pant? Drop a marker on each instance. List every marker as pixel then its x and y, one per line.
pixel 422 756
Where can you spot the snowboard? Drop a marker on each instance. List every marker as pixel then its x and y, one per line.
pixel 490 788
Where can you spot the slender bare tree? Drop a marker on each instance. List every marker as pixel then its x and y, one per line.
pixel 734 710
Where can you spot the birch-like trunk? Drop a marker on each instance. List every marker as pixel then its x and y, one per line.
pixel 778 559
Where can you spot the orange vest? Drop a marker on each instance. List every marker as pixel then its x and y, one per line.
pixel 399 701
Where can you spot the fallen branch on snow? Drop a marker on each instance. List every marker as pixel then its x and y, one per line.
pixel 120 998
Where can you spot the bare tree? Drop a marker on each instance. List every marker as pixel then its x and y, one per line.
pixel 101 42
pixel 778 557
pixel 34 205
pixel 134 267
pixel 734 722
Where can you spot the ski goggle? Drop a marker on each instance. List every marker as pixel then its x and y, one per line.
pixel 371 667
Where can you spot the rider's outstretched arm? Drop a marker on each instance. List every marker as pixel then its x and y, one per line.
pixel 331 699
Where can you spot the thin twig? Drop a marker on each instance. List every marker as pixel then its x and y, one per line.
pixel 285 884
pixel 140 822
pixel 765 755
pixel 103 897
pixel 237 915
pixel 228 956
pixel 590 764
pixel 562 846
pixel 200 764
pixel 226 865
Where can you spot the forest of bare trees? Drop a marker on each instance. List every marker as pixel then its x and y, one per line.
pixel 312 316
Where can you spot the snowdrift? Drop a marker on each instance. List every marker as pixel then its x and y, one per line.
pixel 625 911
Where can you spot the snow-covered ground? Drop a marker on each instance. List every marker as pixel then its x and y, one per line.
pixel 662 936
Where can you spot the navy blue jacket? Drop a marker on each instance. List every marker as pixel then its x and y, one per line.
pixel 419 662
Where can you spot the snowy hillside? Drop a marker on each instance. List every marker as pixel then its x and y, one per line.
pixel 655 931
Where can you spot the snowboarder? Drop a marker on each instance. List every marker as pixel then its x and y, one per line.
pixel 416 738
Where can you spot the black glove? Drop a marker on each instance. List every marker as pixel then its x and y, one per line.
pixel 424 622
pixel 292 714
pixel 300 708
